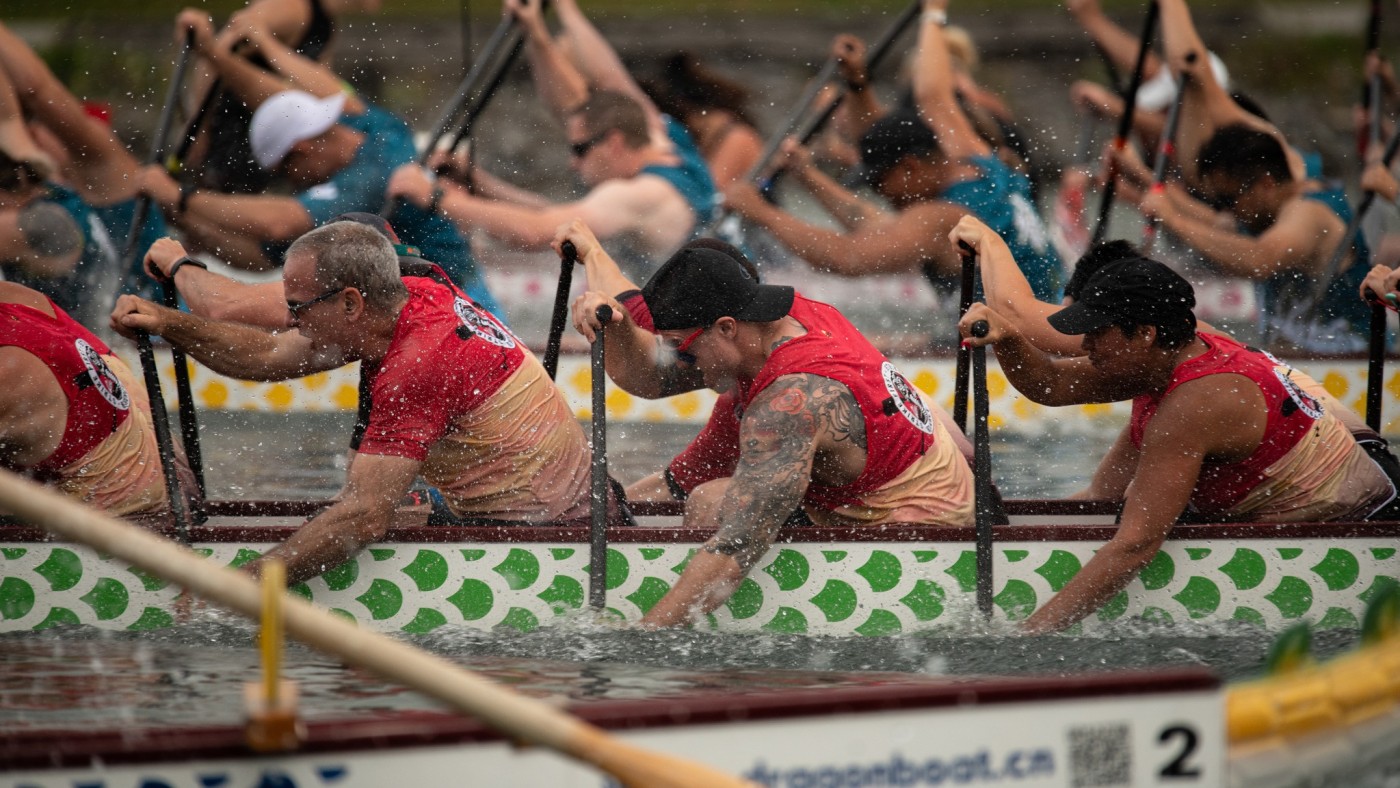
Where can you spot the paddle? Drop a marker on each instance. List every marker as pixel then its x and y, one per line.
pixel 160 420
pixel 494 79
pixel 960 372
pixel 568 258
pixel 986 510
pixel 522 719
pixel 598 506
pixel 1166 148
pixel 504 33
pixel 1375 363
pixel 1372 134
pixel 189 428
pixel 1125 123
pixel 803 132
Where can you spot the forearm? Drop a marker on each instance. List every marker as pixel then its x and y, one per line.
pixel 251 84
pixel 519 226
pixel 635 362
pixel 844 206
pixel 303 72
pixel 220 298
pixel 822 248
pixel 240 351
pixel 604 275
pixel 596 58
pixel 708 580
pixel 329 540
pixel 1233 253
pixel 1035 374
pixel 560 86
pixel 858 112
pixel 236 249
pixel 1118 44
pixel 1107 573
pixel 261 217
pixel 1183 202
pixel 488 186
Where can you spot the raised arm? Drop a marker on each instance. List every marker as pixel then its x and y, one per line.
pixel 934 92
pixel 1119 45
pixel 561 86
pixel 845 206
pixel 778 436
pixel 251 84
pixel 211 295
pixel 599 63
pixel 302 72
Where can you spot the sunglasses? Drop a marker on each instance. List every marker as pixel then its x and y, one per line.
pixel 581 149
pixel 682 350
pixel 295 308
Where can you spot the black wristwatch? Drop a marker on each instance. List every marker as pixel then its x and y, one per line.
pixel 187 191
pixel 184 261
pixel 435 202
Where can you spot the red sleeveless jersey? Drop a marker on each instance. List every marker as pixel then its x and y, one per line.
pixel 1291 413
pixel 899 428
pixel 97 401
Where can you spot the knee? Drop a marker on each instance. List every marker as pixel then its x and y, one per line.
pixel 702 505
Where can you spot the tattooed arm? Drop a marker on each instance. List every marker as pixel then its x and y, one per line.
pixel 782 431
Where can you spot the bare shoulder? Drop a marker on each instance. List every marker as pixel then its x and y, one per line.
pixel 11 293
pixel 1215 411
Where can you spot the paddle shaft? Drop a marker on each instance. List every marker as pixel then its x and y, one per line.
pixel 184 400
pixel 160 420
pixel 598 505
pixel 521 719
pixel 967 286
pixel 568 258
pixel 167 114
pixel 982 473
pixel 1375 367
pixel 1373 86
pixel 493 83
pixel 1125 123
pixel 1166 148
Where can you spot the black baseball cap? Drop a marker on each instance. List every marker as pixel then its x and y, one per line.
pixel 1136 291
pixel 707 280
pixel 385 229
pixel 890 139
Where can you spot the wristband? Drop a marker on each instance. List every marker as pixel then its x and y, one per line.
pixel 187 191
pixel 677 491
pixel 182 262
pixel 435 202
pixel 937 16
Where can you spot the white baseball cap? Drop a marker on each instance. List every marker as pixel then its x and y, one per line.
pixel 288 118
pixel 1158 92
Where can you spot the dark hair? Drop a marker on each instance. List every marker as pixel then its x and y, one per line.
pixel 1097 257
pixel 17 176
pixel 685 87
pixel 1244 155
pixel 606 110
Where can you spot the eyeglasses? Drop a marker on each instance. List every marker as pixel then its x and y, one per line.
pixel 295 308
pixel 682 351
pixel 581 149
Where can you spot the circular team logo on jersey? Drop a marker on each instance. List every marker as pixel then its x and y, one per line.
pixel 1305 401
pixel 906 398
pixel 101 376
pixel 482 325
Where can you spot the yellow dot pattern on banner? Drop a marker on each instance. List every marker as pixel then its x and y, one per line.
pixel 927 382
pixel 995 421
pixel 996 385
pixel 619 403
pixel 582 380
pixel 686 405
pixel 316 381
pixel 1393 385
pixel 1025 409
pixel 1096 410
pixel 214 394
pixel 280 397
pixel 1359 405
pixel 346 397
pixel 1336 384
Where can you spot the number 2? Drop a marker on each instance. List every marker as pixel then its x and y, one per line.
pixel 1177 768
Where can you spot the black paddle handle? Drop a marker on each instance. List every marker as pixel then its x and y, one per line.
pixel 967 285
pixel 160 419
pixel 184 397
pixel 568 258
pixel 1375 365
pixel 1125 123
pixel 1166 148
pixel 598 504
pixel 985 510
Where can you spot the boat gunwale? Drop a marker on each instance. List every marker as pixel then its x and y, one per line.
pixel 58 748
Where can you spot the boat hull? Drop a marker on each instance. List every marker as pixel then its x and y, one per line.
pixel 870 581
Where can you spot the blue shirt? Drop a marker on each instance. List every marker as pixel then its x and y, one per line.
pixel 1341 321
pixel 87 292
pixel 117 218
pixel 1001 198
pixel 691 178
pixel 360 185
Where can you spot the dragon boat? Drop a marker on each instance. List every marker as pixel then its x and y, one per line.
pixel 819 581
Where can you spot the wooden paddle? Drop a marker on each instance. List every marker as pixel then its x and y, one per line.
pixel 524 720
pixel 598 505
pixel 1125 123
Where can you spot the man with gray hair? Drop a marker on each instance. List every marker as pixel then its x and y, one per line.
pixel 456 396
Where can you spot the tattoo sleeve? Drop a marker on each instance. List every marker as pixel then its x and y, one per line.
pixel 778 440
pixel 49 231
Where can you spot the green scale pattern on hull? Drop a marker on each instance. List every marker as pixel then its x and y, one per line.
pixel 820 589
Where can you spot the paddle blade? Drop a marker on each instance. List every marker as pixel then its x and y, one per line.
pixel 638 768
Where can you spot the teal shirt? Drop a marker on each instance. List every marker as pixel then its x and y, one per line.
pixel 117 219
pixel 360 185
pixel 691 177
pixel 1001 198
pixel 1341 322
pixel 89 290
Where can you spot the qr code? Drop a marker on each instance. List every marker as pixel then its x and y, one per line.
pixel 1100 757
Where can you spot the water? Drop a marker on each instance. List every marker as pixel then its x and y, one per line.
pixel 193 674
